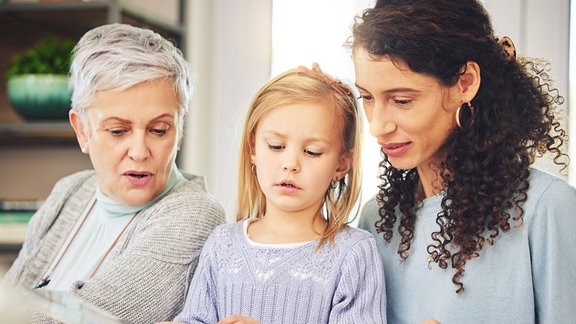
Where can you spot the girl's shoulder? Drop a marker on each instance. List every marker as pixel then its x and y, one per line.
pixel 228 231
pixel 350 236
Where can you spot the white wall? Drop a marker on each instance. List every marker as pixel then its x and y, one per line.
pixel 230 48
pixel 539 29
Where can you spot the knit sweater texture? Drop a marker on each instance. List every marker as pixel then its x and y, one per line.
pixel 146 276
pixel 527 276
pixel 339 283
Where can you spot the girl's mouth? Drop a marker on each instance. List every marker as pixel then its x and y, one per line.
pixel 287 187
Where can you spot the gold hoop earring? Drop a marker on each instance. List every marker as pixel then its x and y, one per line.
pixel 467 114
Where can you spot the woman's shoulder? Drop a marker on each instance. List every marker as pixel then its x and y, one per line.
pixel 79 177
pixel 80 184
pixel 545 187
pixel 193 183
pixel 548 195
pixel 192 195
pixel 369 214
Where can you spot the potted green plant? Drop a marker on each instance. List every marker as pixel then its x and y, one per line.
pixel 38 80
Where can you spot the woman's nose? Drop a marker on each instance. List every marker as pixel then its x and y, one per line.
pixel 381 122
pixel 139 149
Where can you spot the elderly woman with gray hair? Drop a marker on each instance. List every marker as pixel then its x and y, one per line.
pixel 127 235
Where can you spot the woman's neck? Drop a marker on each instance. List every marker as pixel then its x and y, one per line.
pixel 430 181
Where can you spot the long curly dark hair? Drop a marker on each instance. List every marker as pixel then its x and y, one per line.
pixel 485 174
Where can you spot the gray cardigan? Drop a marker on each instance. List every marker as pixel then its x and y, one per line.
pixel 145 278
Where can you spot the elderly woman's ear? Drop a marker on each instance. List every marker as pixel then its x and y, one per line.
pixel 79 129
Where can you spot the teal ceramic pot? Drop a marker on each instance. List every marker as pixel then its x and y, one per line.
pixel 40 96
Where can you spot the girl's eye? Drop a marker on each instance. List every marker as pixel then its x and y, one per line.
pixel 275 147
pixel 311 153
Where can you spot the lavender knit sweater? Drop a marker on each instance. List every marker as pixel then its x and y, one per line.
pixel 339 283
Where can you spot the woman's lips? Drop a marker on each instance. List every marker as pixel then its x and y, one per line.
pixel 138 178
pixel 395 149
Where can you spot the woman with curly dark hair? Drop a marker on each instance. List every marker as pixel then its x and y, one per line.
pixel 468 230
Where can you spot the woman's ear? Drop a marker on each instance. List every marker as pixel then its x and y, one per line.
pixel 78 127
pixel 469 82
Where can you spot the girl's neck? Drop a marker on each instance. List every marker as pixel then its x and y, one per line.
pixel 277 228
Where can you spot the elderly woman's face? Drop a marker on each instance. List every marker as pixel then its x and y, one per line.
pixel 132 138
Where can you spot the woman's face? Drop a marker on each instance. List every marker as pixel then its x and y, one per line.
pixel 132 138
pixel 297 152
pixel 410 114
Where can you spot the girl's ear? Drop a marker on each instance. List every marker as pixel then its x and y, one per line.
pixel 252 151
pixel 343 166
pixel 469 82
pixel 78 127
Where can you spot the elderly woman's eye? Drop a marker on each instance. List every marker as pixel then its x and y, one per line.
pixel 159 131
pixel 117 131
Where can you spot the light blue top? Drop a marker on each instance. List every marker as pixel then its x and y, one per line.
pixel 104 223
pixel 527 276
pixel 287 283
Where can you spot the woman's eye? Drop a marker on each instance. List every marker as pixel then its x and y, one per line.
pixel 365 97
pixel 159 131
pixel 117 131
pixel 275 147
pixel 312 153
pixel 402 102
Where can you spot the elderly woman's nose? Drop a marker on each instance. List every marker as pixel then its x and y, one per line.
pixel 139 148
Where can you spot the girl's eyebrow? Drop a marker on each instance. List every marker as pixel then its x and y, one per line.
pixel 308 140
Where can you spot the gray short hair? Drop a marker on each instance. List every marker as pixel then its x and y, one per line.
pixel 119 56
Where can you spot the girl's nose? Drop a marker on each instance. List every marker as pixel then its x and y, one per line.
pixel 290 163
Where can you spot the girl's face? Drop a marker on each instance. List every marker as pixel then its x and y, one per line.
pixel 410 114
pixel 132 138
pixel 297 150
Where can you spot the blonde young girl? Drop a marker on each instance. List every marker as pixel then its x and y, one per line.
pixel 291 257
